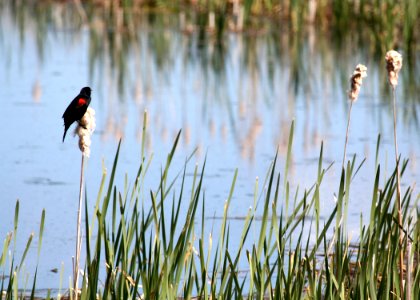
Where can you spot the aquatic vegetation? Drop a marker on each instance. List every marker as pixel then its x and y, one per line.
pixel 138 246
pixel 356 81
pixel 393 66
pixel 85 127
pixel 84 131
pixel 13 277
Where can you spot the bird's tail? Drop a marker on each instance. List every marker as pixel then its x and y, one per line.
pixel 65 131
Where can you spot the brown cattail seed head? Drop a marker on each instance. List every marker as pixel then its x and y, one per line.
pixel 356 81
pixel 393 66
pixel 85 129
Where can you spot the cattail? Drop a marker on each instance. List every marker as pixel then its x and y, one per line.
pixel 86 126
pixel 393 66
pixel 356 81
pixel 85 129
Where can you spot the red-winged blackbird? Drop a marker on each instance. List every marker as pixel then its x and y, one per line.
pixel 76 109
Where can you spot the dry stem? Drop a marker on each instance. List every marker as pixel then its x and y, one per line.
pixel 356 81
pixel 347 134
pixel 79 235
pixel 398 195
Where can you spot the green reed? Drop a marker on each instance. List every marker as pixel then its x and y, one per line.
pixel 152 244
pixel 12 269
pixel 152 251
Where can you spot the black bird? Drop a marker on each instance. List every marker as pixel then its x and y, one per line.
pixel 76 109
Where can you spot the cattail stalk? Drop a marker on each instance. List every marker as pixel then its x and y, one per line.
pixel 400 225
pixel 409 270
pixel 84 130
pixel 347 134
pixel 356 81
pixel 393 65
pixel 79 234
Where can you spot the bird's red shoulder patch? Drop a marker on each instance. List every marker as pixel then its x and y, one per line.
pixel 81 102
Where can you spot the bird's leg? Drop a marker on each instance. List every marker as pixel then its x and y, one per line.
pixel 81 124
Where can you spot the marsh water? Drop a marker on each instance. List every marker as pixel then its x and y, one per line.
pixel 234 97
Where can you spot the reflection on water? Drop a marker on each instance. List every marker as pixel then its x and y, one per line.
pixel 233 94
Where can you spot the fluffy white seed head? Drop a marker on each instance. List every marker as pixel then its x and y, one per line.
pixel 85 129
pixel 393 66
pixel 356 81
